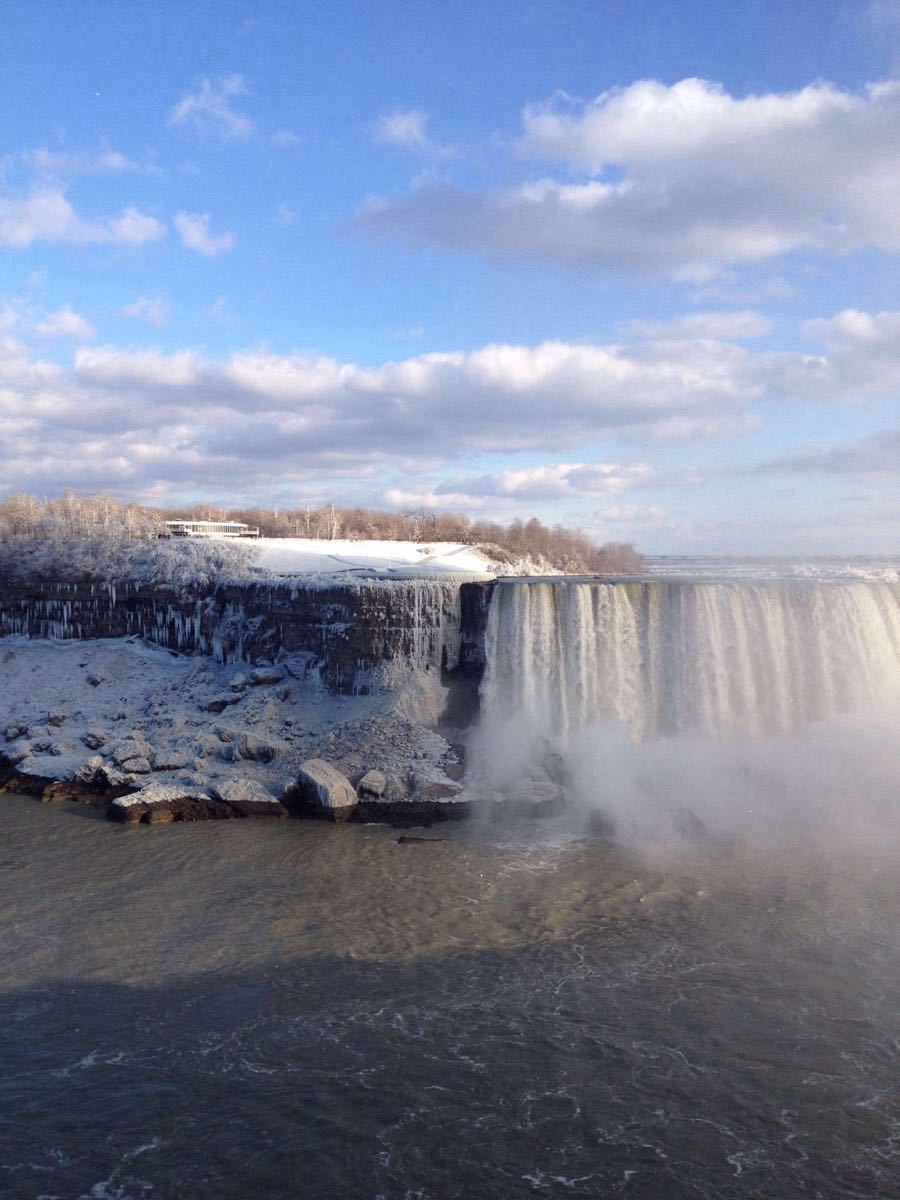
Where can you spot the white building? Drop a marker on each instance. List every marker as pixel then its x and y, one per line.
pixel 217 529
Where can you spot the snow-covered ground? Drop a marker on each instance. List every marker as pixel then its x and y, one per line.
pixel 145 715
pixel 307 556
pixel 201 562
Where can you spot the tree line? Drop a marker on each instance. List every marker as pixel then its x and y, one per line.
pixel 81 515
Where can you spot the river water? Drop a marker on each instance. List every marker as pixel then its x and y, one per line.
pixel 291 1009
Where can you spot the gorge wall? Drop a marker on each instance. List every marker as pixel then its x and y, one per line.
pixel 353 632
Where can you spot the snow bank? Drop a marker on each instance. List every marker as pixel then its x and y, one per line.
pixel 207 562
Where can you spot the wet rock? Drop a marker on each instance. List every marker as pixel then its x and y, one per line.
pixel 159 814
pixel 321 790
pixel 76 790
pixel 406 838
pixel 257 749
pixel 373 783
pixel 266 674
pixel 180 803
pixel 24 783
pixel 250 798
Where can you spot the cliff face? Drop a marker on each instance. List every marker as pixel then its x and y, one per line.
pixel 353 632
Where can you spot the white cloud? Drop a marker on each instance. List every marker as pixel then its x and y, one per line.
pixel 705 325
pixel 47 216
pixel 186 420
pixel 152 309
pixel 553 481
pixel 285 216
pixel 681 181
pixel 91 162
pixel 408 128
pixel 64 323
pixel 209 110
pixel 193 229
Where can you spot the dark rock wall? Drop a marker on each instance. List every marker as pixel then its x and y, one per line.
pixel 351 632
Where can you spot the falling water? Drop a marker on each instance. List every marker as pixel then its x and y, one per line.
pixel 674 657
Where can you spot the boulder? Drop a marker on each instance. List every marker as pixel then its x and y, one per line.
pixel 220 703
pixel 94 739
pixel 136 766
pixel 57 717
pixel 131 749
pixel 95 678
pixel 266 675
pixel 90 769
pixel 17 754
pixel 428 789
pixel 172 760
pixel 77 790
pixel 180 803
pixel 15 731
pixel 250 798
pixel 373 783
pixel 254 747
pixel 321 790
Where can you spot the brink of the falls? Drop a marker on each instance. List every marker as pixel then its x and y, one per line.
pixel 626 685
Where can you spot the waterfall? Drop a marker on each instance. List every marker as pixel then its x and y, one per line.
pixel 666 657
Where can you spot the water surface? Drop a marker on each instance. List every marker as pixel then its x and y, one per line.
pixel 291 1009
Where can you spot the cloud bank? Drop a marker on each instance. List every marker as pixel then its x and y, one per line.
pixel 679 181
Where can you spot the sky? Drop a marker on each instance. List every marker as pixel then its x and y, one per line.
pixel 625 265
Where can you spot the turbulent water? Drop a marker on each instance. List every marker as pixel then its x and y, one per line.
pixel 707 1005
pixel 292 1009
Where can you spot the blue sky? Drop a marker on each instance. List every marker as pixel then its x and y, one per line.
pixel 628 266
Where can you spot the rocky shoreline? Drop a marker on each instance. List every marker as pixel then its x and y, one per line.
pixel 157 737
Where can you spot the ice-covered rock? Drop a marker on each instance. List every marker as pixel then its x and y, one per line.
pixel 266 675
pixel 254 747
pixel 57 717
pixel 15 731
pixel 13 755
pixel 95 738
pixel 171 759
pixel 250 798
pixel 321 790
pixel 136 766
pixel 181 803
pixel 219 703
pixel 373 783
pixel 131 749
pixel 90 769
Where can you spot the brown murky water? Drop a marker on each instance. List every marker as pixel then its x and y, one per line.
pixel 290 1009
